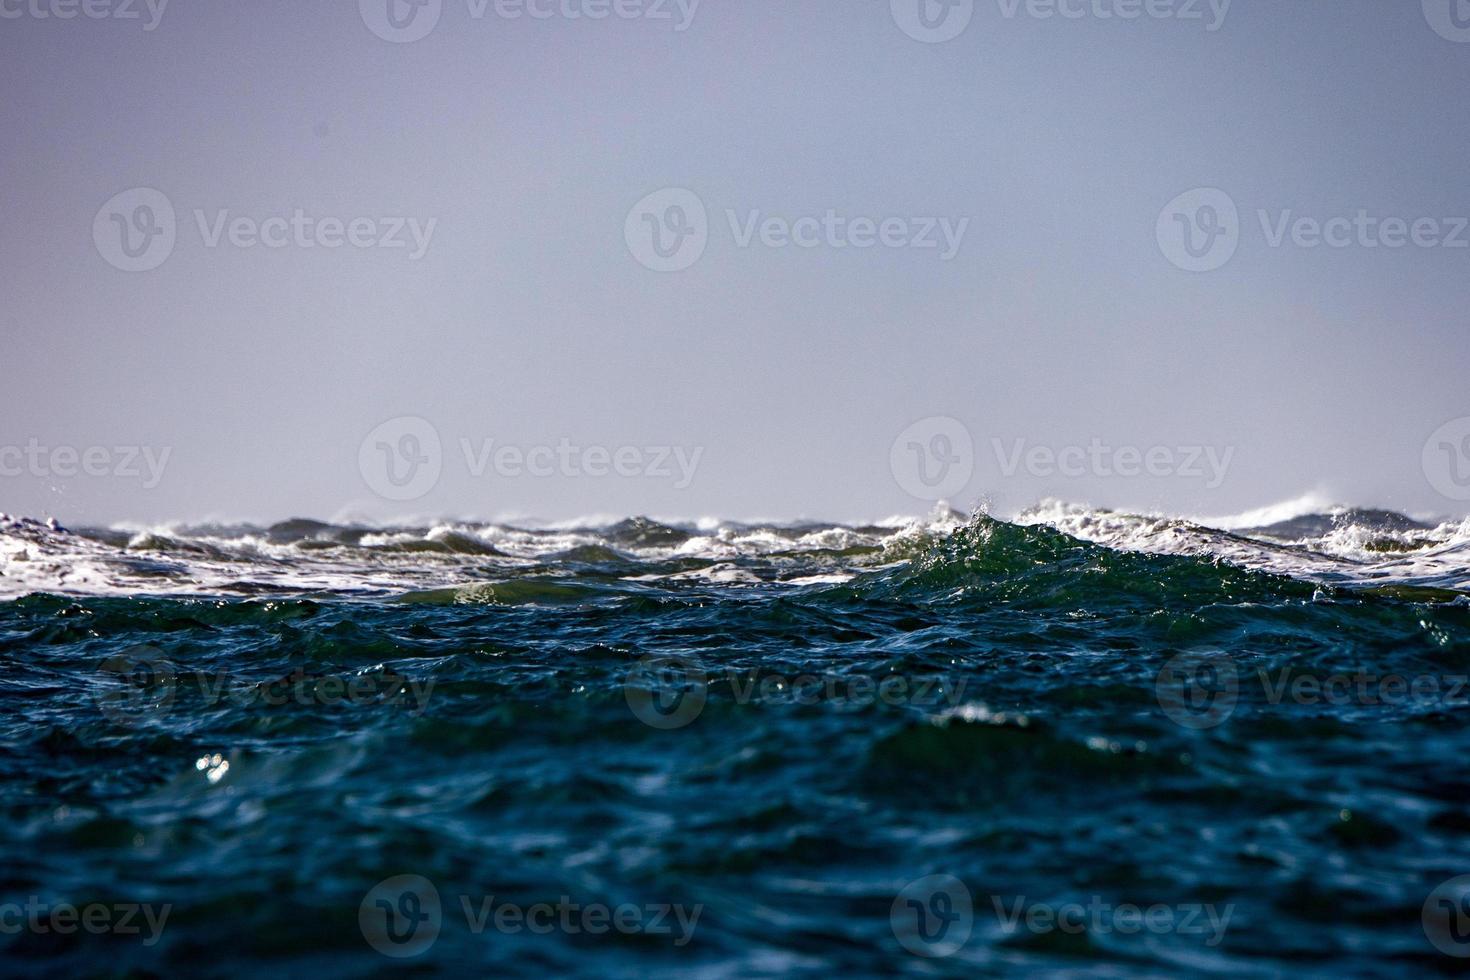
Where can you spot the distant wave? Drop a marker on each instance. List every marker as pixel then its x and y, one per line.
pixel 1336 544
pixel 1303 539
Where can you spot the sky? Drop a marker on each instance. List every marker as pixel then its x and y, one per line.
pixel 739 258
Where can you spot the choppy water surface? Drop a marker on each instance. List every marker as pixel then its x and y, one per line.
pixel 1079 742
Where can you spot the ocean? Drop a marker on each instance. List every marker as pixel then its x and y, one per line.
pixel 1069 743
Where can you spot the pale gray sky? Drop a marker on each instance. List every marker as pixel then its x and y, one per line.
pixel 1052 145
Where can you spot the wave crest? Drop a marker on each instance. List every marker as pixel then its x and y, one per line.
pixel 1053 546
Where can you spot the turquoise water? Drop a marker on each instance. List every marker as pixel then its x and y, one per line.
pixel 945 748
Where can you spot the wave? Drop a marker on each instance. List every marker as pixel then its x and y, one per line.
pixel 1337 545
pixel 1302 539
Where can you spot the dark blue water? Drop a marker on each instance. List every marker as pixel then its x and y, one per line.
pixel 979 749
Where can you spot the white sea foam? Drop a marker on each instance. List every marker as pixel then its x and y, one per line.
pixel 1313 502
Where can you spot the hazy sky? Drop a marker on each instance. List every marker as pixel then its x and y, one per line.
pixel 1042 156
